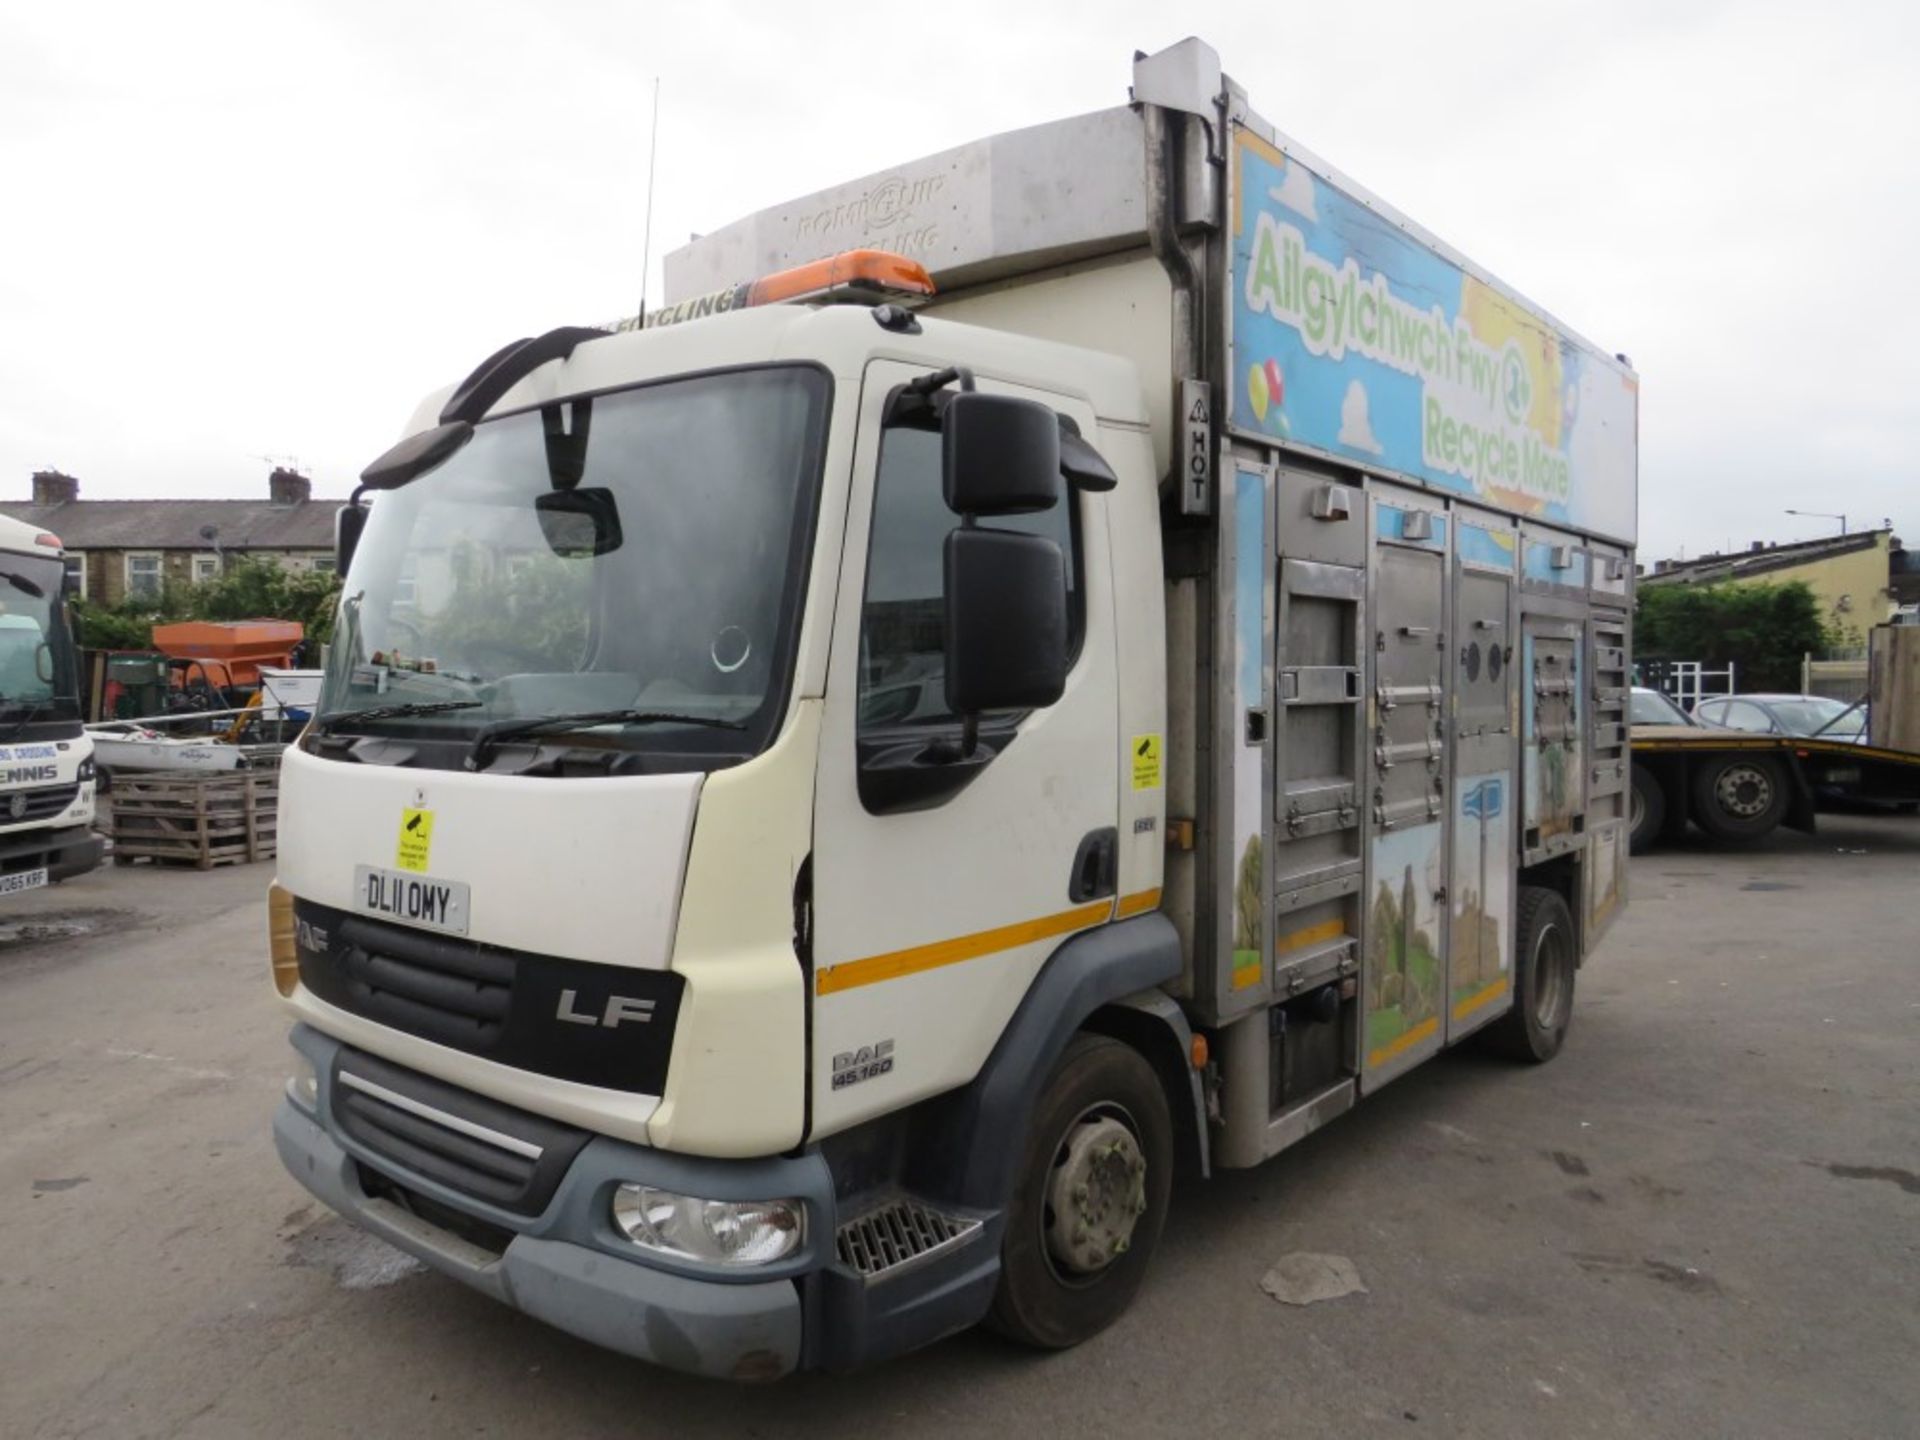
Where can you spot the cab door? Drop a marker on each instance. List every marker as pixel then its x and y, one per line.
pixel 937 898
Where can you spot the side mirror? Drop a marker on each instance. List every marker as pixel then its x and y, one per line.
pixel 1006 626
pixel 348 521
pixel 579 524
pixel 999 455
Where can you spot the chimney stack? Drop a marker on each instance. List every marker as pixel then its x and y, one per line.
pixel 53 487
pixel 1660 567
pixel 288 487
pixel 1755 546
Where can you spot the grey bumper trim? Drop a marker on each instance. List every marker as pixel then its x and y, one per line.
pixel 738 1331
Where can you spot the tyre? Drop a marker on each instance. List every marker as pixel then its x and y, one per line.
pixel 1546 956
pixel 1647 810
pixel 1090 1200
pixel 1738 797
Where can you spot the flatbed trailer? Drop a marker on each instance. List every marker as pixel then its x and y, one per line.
pixel 1739 788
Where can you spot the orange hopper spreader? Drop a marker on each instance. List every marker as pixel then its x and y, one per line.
pixel 232 650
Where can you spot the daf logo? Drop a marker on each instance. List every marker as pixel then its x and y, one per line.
pixel 17 806
pixel 618 1010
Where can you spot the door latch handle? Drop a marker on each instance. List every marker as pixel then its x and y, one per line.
pixel 1096 866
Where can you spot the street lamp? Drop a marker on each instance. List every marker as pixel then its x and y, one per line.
pixel 1822 515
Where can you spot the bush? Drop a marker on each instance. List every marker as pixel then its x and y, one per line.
pixel 249 590
pixel 1763 629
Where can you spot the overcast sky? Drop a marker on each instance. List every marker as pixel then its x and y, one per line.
pixel 248 230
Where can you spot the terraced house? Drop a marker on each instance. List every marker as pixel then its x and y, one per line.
pixel 121 548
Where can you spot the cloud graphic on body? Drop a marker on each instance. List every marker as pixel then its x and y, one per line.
pixel 1295 191
pixel 1356 429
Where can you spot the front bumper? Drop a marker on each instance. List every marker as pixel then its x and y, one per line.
pixel 66 853
pixel 568 1266
pixel 736 1331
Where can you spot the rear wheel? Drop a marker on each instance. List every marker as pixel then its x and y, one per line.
pixel 1545 961
pixel 1091 1198
pixel 1738 797
pixel 1647 809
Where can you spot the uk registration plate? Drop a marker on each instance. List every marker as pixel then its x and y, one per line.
pixel 411 899
pixel 23 880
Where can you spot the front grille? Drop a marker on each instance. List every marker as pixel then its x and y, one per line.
pixel 40 803
pixel 493 1239
pixel 610 1026
pixel 485 1151
pixel 898 1232
pixel 457 994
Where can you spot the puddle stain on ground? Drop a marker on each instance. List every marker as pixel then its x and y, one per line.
pixel 1569 1163
pixel 356 1260
pixel 1681 1277
pixel 1905 1179
pixel 19 931
pixel 45 1187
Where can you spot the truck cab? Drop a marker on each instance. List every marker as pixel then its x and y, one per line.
pixel 46 759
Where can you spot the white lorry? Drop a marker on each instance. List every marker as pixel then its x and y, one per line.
pixel 46 757
pixel 1075 659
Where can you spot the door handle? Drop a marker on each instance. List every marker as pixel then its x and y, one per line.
pixel 1096 866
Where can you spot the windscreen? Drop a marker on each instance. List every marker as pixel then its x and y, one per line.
pixel 640 550
pixel 1651 707
pixel 37 664
pixel 1811 713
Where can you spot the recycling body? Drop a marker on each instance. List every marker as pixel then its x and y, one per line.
pixel 1074 660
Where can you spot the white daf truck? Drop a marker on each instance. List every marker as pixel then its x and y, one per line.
pixel 46 757
pixel 1075 659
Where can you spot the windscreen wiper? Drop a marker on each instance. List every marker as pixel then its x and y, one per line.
pixel 323 723
pixel 490 736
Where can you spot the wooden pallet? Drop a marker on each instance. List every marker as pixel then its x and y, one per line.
pixel 200 820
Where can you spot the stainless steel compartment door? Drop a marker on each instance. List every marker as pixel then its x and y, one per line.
pixel 1480 922
pixel 1554 810
pixel 1405 951
pixel 1319 773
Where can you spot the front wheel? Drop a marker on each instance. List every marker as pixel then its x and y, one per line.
pixel 1546 957
pixel 1091 1198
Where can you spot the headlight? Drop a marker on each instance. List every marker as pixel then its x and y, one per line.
pixel 303 1086
pixel 85 772
pixel 713 1232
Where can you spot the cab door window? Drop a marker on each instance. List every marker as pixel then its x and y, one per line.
pixel 903 623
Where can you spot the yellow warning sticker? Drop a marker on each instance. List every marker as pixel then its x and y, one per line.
pixel 1146 762
pixel 416 839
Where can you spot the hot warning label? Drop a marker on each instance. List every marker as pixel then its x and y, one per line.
pixel 416 839
pixel 1146 762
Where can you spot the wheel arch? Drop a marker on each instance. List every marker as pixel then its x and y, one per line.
pixel 1152 1024
pixel 1110 972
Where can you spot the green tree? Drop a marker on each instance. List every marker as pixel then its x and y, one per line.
pixel 1763 629
pixel 249 589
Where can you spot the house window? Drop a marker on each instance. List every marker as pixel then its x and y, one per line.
pixel 77 576
pixel 143 575
pixel 205 568
pixel 320 564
